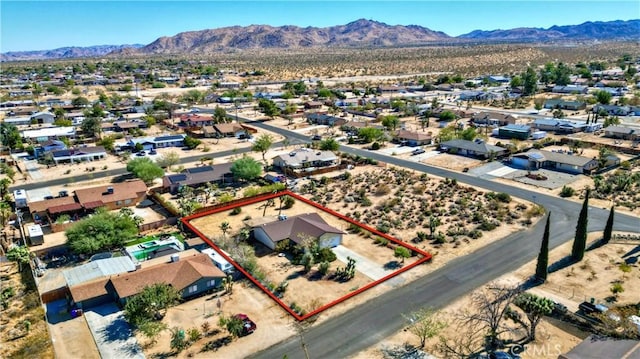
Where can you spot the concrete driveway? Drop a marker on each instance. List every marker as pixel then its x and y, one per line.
pixel 364 265
pixel 112 334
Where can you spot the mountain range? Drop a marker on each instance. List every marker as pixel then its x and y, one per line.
pixel 359 33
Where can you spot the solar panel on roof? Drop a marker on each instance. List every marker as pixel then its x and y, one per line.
pixel 177 178
pixel 200 169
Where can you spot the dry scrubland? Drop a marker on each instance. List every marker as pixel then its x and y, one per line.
pixel 469 60
pixel 23 333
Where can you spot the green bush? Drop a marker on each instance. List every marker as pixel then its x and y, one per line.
pixel 236 211
pixel 325 255
pixel 567 192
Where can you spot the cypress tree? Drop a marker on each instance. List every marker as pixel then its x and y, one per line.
pixel 608 228
pixel 580 242
pixel 543 256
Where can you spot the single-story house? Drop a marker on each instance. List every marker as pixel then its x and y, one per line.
pixel 535 159
pixel 43 117
pixel 49 146
pixel 306 159
pixel 568 89
pixel 475 95
pixel 477 148
pixel 80 154
pixel 560 126
pixel 493 118
pixel 498 79
pixel 18 121
pixel 521 132
pixel 297 229
pixel 112 196
pixel 149 143
pixel 612 110
pixel 49 133
pixel 625 133
pixel 190 275
pixel 564 105
pixel 312 105
pixel 324 119
pixel 414 138
pixel 123 126
pixel 196 176
pixel 230 130
pixel 194 120
pixel 597 347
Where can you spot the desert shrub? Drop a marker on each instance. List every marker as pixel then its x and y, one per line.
pixel 288 202
pixel 383 227
pixel 194 334
pixel 475 234
pixel 236 211
pixel 325 255
pixel 501 196
pixel 567 192
pixel 382 189
pixel 375 146
pixel 487 226
pixel 323 268
pixel 380 241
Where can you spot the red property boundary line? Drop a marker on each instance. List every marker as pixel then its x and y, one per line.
pixel 426 256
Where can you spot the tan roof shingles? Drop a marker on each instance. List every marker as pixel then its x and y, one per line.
pixel 121 191
pixel 179 275
pixel 297 228
pixel 90 290
pixel 41 206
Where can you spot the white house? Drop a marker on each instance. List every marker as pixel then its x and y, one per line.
pixel 45 134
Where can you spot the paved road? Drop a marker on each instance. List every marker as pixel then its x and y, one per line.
pixel 186 157
pixel 369 323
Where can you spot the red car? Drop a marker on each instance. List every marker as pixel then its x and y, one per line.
pixel 248 325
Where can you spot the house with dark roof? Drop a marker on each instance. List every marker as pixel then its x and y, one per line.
pixel 80 154
pixel 625 133
pixel 477 148
pixel 612 110
pixel 598 347
pixel 559 161
pixel 493 118
pixel 191 275
pixel 197 176
pixel 297 229
pixel 521 132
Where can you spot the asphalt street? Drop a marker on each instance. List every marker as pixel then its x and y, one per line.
pixel 371 322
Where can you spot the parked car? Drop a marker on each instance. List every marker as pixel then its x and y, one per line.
pixel 590 308
pixel 417 151
pixel 141 153
pixel 316 138
pixel 248 326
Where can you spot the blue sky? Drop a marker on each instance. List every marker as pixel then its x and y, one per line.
pixel 39 25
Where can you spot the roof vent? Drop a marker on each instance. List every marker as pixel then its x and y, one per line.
pixel 175 257
pixel 282 217
pixel 110 190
